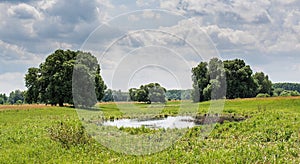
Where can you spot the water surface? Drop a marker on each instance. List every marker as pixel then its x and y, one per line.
pixel 169 122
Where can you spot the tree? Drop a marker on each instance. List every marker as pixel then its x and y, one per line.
pixel 62 71
pixel 200 79
pixel 288 86
pixel 230 79
pixel 3 98
pixel 264 84
pixel 217 82
pixel 16 96
pixel 108 96
pixel 240 83
pixel 32 83
pixel 149 93
pixel 209 81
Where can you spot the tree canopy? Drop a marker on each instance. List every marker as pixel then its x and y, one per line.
pixel 230 78
pixel 3 98
pixel 288 86
pixel 16 97
pixel 52 82
pixel 149 93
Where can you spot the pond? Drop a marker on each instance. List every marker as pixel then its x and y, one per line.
pixel 169 122
pixel 175 121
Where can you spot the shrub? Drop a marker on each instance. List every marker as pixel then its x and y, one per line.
pixel 69 134
pixel 262 95
pixel 289 93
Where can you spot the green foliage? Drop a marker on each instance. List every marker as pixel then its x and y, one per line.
pixel 264 84
pixel 200 79
pixel 108 96
pixel 179 94
pixel 287 86
pixel 262 95
pixel 240 83
pixel 3 98
pixel 69 133
pixel 16 96
pixel 152 92
pixel 120 96
pixel 32 95
pixel 51 83
pixel 289 93
pixel 230 79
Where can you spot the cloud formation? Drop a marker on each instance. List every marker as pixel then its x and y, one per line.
pixel 265 33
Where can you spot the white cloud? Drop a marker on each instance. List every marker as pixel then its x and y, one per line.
pixel 17 56
pixel 24 11
pixel 11 81
pixel 31 30
pixel 133 18
pixel 148 14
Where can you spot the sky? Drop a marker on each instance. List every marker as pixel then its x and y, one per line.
pixel 143 41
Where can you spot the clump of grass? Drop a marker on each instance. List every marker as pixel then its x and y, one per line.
pixel 136 131
pixel 69 133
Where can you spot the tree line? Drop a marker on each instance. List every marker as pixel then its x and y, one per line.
pixel 15 97
pixel 73 77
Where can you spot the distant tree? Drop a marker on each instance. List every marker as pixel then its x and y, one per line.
pixel 133 94
pixel 177 94
pixel 149 93
pixel 264 84
pixel 287 86
pixel 108 96
pixel 3 98
pixel 289 93
pixel 16 96
pixel 277 91
pixel 120 96
pixel 53 81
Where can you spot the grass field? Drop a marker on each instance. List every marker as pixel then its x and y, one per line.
pixel 40 134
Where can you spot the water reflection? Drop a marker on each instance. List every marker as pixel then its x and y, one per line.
pixel 169 122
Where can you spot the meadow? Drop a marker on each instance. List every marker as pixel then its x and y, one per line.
pixel 44 134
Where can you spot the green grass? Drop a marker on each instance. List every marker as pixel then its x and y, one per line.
pixel 55 135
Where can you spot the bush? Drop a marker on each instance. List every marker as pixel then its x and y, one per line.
pixel 69 134
pixel 262 95
pixel 19 102
pixel 290 93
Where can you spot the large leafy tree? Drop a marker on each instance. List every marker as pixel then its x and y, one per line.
pixel 52 82
pixel 32 83
pixel 232 78
pixel 240 83
pixel 149 93
pixel 264 84
pixel 200 79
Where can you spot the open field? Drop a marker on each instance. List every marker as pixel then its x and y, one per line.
pixel 44 134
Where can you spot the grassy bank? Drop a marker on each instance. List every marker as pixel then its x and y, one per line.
pixel 39 134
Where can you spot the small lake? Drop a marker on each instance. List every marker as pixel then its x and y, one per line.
pixel 169 122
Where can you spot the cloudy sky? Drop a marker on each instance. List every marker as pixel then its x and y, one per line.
pixel 150 40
